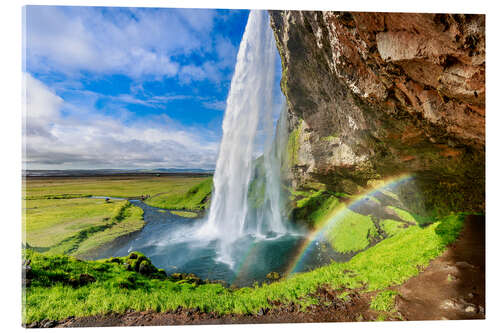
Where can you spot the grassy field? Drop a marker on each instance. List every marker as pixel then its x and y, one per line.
pixel 60 218
pixel 193 198
pixel 49 221
pixel 113 186
pixel 116 289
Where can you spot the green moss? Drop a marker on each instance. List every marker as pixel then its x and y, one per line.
pixel 330 138
pixel 293 144
pixel 313 206
pixel 384 301
pixel 391 227
pixel 351 232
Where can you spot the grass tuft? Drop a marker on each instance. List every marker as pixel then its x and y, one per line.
pixel 384 301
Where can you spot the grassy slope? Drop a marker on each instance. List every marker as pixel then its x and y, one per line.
pixel 388 263
pixel 193 198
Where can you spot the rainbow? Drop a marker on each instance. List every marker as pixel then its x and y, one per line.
pixel 337 214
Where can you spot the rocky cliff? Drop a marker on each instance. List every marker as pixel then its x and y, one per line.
pixel 372 95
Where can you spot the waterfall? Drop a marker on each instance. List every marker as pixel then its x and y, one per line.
pixel 249 108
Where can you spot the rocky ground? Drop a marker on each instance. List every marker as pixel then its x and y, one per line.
pixel 451 287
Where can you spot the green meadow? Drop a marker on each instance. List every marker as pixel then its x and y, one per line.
pixel 59 217
pixel 112 186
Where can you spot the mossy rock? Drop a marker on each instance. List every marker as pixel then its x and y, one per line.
pixel 273 276
pixel 190 278
pixel 146 267
pixel 139 263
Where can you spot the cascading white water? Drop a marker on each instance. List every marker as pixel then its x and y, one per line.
pixel 249 104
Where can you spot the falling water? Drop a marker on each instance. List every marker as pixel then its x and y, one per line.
pixel 249 105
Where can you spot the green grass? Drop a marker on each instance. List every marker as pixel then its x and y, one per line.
pixel 184 213
pixel 46 222
pixel 390 262
pixel 195 198
pixel 130 221
pixel 351 232
pixel 384 301
pixel 126 219
pixel 57 196
pixel 113 186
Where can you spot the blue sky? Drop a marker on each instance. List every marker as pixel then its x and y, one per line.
pixel 127 87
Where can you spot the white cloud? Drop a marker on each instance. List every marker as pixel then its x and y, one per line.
pixel 133 42
pixel 41 106
pixel 54 140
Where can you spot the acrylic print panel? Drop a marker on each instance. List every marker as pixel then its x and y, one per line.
pixel 201 166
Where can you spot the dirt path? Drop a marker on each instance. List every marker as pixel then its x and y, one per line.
pixel 451 287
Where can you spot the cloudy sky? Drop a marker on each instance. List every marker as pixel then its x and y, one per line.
pixel 127 87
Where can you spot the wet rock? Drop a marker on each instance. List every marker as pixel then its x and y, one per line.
pixel 46 323
pixel 176 276
pixel 145 267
